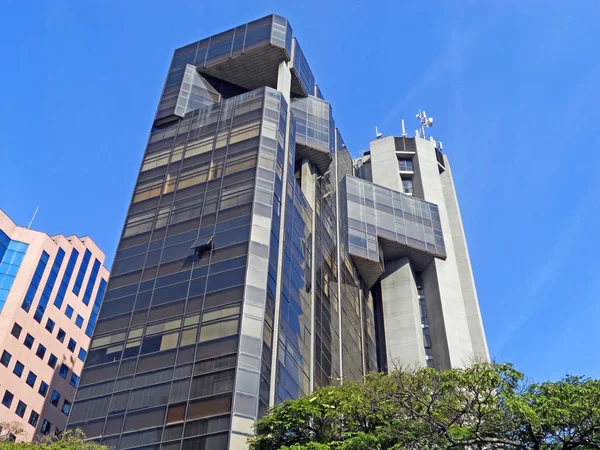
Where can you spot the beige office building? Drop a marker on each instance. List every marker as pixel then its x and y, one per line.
pixel 51 288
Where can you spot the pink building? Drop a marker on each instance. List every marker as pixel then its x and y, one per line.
pixel 51 288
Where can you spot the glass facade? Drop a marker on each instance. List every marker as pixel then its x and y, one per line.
pixel 174 318
pixel 11 256
pixel 35 282
pixel 45 298
pixel 377 212
pixel 295 328
pixel 300 67
pixel 314 123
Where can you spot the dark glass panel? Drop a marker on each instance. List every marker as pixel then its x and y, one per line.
pixel 145 419
pixel 198 409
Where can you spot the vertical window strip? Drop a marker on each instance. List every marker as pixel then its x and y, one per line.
pixel 91 283
pixel 84 265
pixel 4 241
pixel 64 284
pixel 41 308
pixel 11 254
pixel 95 309
pixel 35 282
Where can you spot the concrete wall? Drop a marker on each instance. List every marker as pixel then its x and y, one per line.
pixel 465 271
pixel 402 316
pixel 441 282
pixel 384 163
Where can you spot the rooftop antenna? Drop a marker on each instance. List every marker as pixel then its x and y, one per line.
pixel 441 146
pixel 377 133
pixel 403 129
pixel 31 221
pixel 425 122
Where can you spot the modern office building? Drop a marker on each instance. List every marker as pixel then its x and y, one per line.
pixel 255 265
pixel 51 288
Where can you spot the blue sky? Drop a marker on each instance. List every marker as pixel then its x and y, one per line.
pixel 513 86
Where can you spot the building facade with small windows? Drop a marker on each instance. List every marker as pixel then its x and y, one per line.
pixel 259 262
pixel 51 288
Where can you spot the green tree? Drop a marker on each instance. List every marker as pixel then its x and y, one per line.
pixel 485 406
pixel 68 440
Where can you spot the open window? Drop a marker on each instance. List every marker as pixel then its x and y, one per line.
pixel 203 244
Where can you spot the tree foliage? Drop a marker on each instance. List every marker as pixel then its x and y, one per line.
pixel 67 440
pixel 485 406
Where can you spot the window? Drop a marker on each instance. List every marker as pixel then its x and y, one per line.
pixel 5 360
pixel 35 282
pixel 16 330
pixel 28 341
pixel 79 321
pixel 41 351
pixel 61 335
pixel 18 370
pixel 7 399
pixel 60 295
pixel 74 380
pixel 43 390
pixel 69 311
pixel 91 282
pixel 52 360
pixel 20 410
pixel 54 399
pixel 82 269
pixel 43 303
pixel 50 326
pixel 82 354
pixel 407 185
pixel 202 245
pixel 46 427
pixel 89 329
pixel 63 371
pixel 33 418
pixel 405 164
pixel 72 344
pixel 31 379
pixel 66 408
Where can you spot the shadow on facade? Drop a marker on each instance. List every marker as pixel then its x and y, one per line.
pixel 54 413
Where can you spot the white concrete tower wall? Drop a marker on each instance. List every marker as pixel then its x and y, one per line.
pixel 384 163
pixel 448 323
pixel 399 296
pixel 463 262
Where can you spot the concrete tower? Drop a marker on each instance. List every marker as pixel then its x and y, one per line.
pixel 425 297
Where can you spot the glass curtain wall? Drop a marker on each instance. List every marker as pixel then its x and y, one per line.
pixel 327 305
pixel 162 363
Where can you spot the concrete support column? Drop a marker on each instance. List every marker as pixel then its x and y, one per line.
pixel 402 316
pixel 284 78
pixel 309 188
pixel 284 81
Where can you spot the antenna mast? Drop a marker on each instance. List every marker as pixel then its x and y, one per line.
pixel 31 221
pixel 424 122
